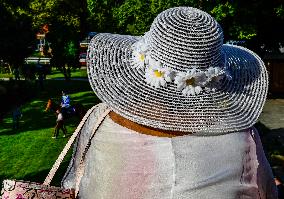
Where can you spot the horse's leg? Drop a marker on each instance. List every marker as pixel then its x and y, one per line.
pixel 56 130
pixel 61 127
pixel 64 129
pixel 80 110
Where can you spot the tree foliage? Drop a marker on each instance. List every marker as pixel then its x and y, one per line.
pixel 240 19
pixel 100 14
pixel 258 21
pixel 16 35
pixel 66 20
pixel 63 12
pixel 136 16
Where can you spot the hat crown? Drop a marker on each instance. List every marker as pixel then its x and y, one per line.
pixel 183 38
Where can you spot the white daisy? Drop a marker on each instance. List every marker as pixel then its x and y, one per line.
pixel 138 59
pixel 214 76
pixel 140 53
pixel 190 82
pixel 156 75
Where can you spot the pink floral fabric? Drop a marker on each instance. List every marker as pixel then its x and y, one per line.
pixel 12 189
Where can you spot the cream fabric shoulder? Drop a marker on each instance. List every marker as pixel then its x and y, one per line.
pixel 80 144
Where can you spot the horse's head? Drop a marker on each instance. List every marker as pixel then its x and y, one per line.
pixel 48 105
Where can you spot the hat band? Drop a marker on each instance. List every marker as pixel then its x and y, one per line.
pixel 192 82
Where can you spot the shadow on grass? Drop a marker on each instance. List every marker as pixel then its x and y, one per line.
pixel 33 119
pixel 10 132
pixel 86 99
pixel 33 125
pixel 54 86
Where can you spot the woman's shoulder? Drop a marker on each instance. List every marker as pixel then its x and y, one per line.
pixel 92 115
pixel 98 109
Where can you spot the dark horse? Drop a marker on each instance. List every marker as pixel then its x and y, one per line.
pixel 77 109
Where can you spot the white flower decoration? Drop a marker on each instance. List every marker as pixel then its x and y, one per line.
pixel 156 75
pixel 214 76
pixel 191 82
pixel 140 53
pixel 139 59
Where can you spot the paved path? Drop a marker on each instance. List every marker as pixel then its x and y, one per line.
pixel 272 115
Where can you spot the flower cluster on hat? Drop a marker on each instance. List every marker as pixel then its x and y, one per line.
pixel 156 75
pixel 190 82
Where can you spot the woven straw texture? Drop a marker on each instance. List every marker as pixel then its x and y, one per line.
pixel 181 38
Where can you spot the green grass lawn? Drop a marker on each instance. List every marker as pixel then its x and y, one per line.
pixel 6 75
pixel 78 73
pixel 75 73
pixel 29 153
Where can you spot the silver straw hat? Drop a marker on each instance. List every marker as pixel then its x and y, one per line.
pixel 179 76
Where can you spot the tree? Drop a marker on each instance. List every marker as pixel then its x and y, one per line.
pixel 100 15
pixel 71 56
pixel 136 16
pixel 133 17
pixel 66 19
pixel 256 21
pixel 16 36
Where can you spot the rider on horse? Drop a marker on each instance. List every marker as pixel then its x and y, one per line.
pixel 66 108
pixel 65 103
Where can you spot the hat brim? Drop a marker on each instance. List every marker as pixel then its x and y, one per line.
pixel 235 106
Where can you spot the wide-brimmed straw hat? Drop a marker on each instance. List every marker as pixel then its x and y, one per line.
pixel 179 76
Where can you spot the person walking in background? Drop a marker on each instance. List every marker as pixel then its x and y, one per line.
pixel 16 115
pixel 17 73
pixel 59 125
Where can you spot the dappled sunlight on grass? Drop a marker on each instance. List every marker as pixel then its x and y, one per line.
pixel 87 97
pixel 6 75
pixel 77 73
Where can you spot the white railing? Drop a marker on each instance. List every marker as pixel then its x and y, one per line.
pixel 35 60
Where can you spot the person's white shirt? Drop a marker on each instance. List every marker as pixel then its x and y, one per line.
pixel 59 117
